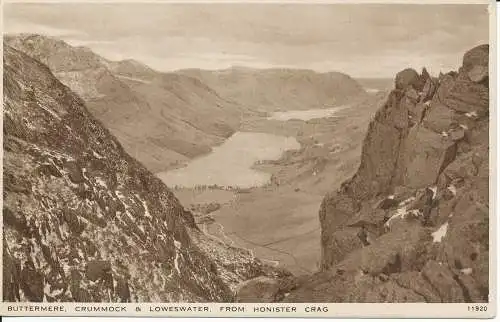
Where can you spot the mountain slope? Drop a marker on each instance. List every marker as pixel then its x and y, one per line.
pixel 83 221
pixel 412 224
pixel 280 89
pixel 179 116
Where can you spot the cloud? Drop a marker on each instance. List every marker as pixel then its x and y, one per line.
pixel 376 40
pixel 17 27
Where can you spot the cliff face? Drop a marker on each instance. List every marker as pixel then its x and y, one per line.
pixel 412 224
pixel 83 221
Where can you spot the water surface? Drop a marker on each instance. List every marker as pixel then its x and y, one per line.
pixel 230 164
pixel 306 115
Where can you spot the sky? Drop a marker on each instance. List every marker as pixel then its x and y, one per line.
pixel 369 40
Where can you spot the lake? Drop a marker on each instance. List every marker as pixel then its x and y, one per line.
pixel 230 164
pixel 306 115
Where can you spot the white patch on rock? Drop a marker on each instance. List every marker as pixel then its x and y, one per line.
pixel 80 254
pixel 144 204
pixel 176 260
pixel 406 202
pixel 48 110
pixel 400 213
pixel 444 134
pixel 101 182
pixel 414 213
pixel 471 114
pixel 97 155
pixel 66 269
pixel 84 174
pixel 428 103
pixel 438 235
pixel 466 271
pixel 465 127
pixel 390 197
pixel 434 191
pixel 452 189
pixel 119 194
pixel 46 291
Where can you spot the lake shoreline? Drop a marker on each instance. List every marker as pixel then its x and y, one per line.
pixel 280 222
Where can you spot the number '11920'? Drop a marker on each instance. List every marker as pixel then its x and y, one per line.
pixel 477 308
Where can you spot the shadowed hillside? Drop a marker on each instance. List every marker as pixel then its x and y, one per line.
pixel 84 221
pixel 179 116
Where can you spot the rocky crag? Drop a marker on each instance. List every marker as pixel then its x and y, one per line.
pixel 84 221
pixel 412 224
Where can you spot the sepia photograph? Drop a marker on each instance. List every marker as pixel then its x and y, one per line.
pixel 246 153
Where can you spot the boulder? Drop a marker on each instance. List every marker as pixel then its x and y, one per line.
pixel 335 209
pixel 428 90
pixel 415 281
pixel 98 269
pixel 32 282
pixel 426 153
pixel 475 63
pixel 371 217
pixel 392 292
pixel 394 252
pixel 446 82
pixel 461 168
pixel 478 55
pixel 49 169
pixel 261 289
pixel 74 172
pixel 438 118
pixel 457 134
pixel 11 277
pixel 379 156
pixel 399 114
pixel 405 78
pixel 467 97
pixel 123 290
pixel 441 278
pixel 465 247
pixel 478 74
pixel 338 244
pixel 17 184
pixel 418 112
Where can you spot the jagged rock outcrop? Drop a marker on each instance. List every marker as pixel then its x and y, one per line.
pixel 412 224
pixel 83 221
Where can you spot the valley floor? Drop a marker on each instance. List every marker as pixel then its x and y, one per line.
pixel 279 222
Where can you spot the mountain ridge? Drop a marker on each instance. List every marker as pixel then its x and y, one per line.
pixel 117 92
pixel 272 89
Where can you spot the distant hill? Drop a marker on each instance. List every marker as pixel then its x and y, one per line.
pixel 380 84
pixel 279 89
pixel 179 116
